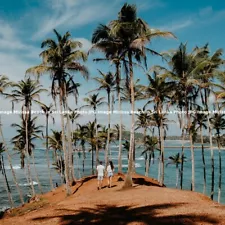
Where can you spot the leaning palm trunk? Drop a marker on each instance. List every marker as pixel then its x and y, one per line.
pixel 108 134
pixel 10 164
pixel 6 184
pixel 128 179
pixel 160 160
pixel 35 172
pixel 203 161
pixel 27 117
pixel 47 155
pixel 66 172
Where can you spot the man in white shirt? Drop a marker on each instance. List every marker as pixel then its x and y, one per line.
pixel 100 170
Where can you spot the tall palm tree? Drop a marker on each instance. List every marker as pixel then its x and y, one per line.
pixel 4 84
pixel 106 82
pixel 47 109
pixel 22 137
pixel 2 170
pixel 200 119
pixel 26 91
pixel 110 46
pixel 133 34
pixel 60 58
pixel 93 101
pixel 159 91
pixel 218 123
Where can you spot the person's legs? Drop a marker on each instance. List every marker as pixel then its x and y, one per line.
pixel 110 181
pixel 98 182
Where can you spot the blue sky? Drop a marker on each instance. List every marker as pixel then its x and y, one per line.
pixel 25 24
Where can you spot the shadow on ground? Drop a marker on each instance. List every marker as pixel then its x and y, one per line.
pixel 111 215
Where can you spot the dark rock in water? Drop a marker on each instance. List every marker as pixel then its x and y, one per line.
pixel 3 211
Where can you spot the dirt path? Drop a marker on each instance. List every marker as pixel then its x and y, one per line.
pixel 140 205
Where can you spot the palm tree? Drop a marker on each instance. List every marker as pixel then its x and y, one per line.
pixel 2 169
pixel 110 46
pixel 93 101
pixel 107 82
pixel 218 123
pixel 159 91
pixel 33 134
pixel 4 83
pixel 150 146
pixel 200 119
pixel 47 109
pixel 26 91
pixel 176 159
pixel 133 34
pixel 61 57
pixel 55 143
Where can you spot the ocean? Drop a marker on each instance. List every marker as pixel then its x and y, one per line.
pixel 170 170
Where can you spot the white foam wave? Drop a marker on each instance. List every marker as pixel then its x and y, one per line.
pixel 28 184
pixel 140 158
pixel 137 165
pixel 15 167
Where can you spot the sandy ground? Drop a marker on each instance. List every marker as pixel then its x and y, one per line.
pixel 145 203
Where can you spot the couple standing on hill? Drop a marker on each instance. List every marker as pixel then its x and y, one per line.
pixel 100 171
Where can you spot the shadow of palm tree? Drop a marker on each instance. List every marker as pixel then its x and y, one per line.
pixel 124 215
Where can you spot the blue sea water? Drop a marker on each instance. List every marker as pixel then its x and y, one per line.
pixel 170 170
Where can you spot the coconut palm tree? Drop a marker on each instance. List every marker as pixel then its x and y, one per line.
pixel 176 159
pixel 21 137
pixel 159 91
pixel 93 102
pixel 200 120
pixel 150 146
pixel 2 170
pixel 106 82
pixel 47 110
pixel 60 58
pixel 55 143
pixel 26 91
pixel 4 84
pixel 218 123
pixel 134 34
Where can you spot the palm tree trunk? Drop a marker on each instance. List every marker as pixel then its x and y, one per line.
pixel 22 157
pixel 149 162
pixel 27 117
pixel 192 163
pixel 10 164
pixel 107 152
pixel 66 172
pixel 146 164
pixel 96 133
pixel 47 155
pixel 128 180
pixel 162 147
pixel 220 169
pixel 92 159
pixel 160 158
pixel 203 161
pixel 6 184
pixel 120 135
pixel 182 153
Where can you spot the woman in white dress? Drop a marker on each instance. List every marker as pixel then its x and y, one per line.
pixel 110 169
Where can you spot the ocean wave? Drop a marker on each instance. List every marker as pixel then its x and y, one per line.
pixel 140 158
pixel 137 165
pixel 15 167
pixel 28 184
pixel 4 208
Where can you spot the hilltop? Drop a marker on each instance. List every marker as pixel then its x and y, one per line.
pixel 145 203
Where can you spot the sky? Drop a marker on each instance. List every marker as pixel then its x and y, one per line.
pixel 25 24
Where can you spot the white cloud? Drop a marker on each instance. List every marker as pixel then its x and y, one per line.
pixel 72 14
pixel 175 26
pixel 85 42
